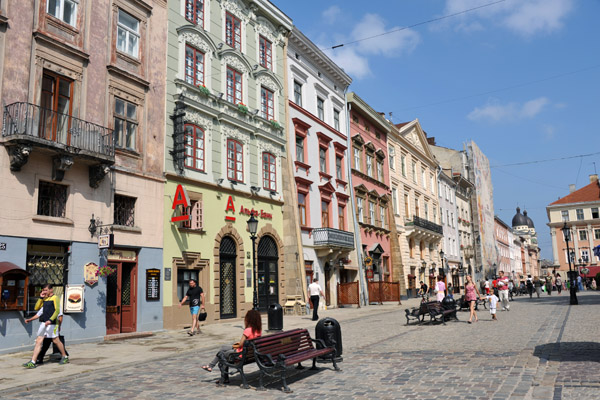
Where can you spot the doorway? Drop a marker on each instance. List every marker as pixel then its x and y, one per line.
pixel 327 285
pixel 268 279
pixel 227 257
pixel 121 298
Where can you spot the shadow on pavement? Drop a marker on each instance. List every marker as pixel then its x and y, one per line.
pixel 584 299
pixel 569 351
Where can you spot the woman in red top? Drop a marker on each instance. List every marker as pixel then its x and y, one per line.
pixel 471 295
pixel 253 329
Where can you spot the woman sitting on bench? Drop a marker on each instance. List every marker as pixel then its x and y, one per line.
pixel 253 329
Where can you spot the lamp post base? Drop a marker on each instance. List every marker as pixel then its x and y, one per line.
pixel 573 292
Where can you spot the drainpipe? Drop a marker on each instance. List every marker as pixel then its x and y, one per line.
pixel 364 293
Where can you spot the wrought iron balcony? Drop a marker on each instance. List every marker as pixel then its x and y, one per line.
pixel 426 224
pixel 32 125
pixel 330 237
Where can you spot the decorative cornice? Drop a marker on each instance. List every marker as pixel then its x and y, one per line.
pixel 128 75
pixel 64 47
pixel 366 109
pixel 317 120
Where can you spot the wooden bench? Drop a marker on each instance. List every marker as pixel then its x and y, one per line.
pixel 417 313
pixel 437 312
pixel 274 353
pixel 236 361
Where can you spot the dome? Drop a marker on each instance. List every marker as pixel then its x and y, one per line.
pixel 529 220
pixel 519 219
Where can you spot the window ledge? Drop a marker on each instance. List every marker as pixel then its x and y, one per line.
pixel 62 25
pixel 301 165
pixel 128 57
pixel 55 220
pixel 124 228
pixel 200 231
pixel 128 152
pixel 325 175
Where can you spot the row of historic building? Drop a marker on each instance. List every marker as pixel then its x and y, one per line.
pixel 143 134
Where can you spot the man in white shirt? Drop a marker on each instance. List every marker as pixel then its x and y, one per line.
pixel 314 291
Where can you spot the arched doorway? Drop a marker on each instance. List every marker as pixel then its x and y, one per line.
pixel 227 257
pixel 268 278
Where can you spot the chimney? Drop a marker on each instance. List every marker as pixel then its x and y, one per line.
pixel 571 188
pixel 431 141
pixel 593 178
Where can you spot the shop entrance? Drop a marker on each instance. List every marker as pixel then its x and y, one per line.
pixel 268 280
pixel 327 285
pixel 121 298
pixel 227 257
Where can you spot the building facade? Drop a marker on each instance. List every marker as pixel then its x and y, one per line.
pixel 225 150
pixel 82 145
pixel 524 228
pixel 318 135
pixel 464 189
pixel 503 244
pixel 451 222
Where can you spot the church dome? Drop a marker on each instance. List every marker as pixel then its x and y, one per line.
pixel 519 219
pixel 529 220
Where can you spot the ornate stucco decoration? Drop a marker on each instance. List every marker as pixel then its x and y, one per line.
pixel 236 8
pixel 235 62
pixel 269 148
pixel 194 117
pixel 266 28
pixel 265 79
pixel 229 132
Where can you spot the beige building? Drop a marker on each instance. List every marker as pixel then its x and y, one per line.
pixel 83 97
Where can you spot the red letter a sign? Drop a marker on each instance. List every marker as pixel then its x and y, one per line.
pixel 181 199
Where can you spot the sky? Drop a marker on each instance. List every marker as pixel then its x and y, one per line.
pixel 520 77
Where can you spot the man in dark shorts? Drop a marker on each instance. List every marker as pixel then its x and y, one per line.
pixel 195 295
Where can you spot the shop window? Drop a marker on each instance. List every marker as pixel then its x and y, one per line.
pixel 46 263
pixel 194 147
pixel 124 212
pixel 128 34
pixel 234 86
pixel 65 10
pixel 194 12
pixel 269 172
pixel 233 31
pixel 52 199
pixel 183 281
pixel 267 104
pixel 235 161
pixel 13 287
pixel 194 66
pixel 126 124
pixel 265 52
pixel 194 210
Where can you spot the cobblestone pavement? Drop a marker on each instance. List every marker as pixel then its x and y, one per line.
pixel 541 349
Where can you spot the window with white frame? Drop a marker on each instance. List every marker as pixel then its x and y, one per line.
pixel 234 86
pixel 403 164
pixel 565 215
pixel 233 31
pixel 395 200
pixel 357 158
pixel 323 159
pixel 267 104
pixel 194 66
pixel 382 217
pixel 65 10
pixel 360 209
pixel 371 213
pixel 128 34
pixel 423 179
pixel 194 12
pixel 583 234
pixel 432 184
pixel 269 172
pixel 194 147
pixel 126 123
pixel 579 214
pixel 597 234
pixel 426 208
pixel 265 56
pixel 338 167
pixel 235 161
pixel 414 172
pixel 321 109
pixel 298 93
pixel 336 119
pixel 380 171
pixel 370 165
pixel 392 159
pixel 300 148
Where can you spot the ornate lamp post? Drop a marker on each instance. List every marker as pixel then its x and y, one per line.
pixel 572 290
pixel 252 227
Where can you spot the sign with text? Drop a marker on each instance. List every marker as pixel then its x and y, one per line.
pixel 230 207
pixel 153 284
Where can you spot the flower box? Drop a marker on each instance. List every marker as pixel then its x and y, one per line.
pixel 275 124
pixel 105 271
pixel 204 90
pixel 243 108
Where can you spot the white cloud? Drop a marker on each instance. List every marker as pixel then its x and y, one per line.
pixel 548 131
pixel 331 14
pixel 508 112
pixel 524 17
pixel 354 64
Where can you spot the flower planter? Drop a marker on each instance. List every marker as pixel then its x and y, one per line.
pixel 242 108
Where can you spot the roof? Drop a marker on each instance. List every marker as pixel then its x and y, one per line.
pixel 587 193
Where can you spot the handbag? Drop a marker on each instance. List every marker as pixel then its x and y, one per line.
pixel 202 316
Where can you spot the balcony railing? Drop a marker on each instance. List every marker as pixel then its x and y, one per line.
pixel 333 238
pixel 51 128
pixel 426 224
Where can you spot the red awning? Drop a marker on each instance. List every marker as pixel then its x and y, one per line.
pixel 593 271
pixel 6 266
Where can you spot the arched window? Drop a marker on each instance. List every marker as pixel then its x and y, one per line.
pixel 269 171
pixel 194 147
pixel 235 161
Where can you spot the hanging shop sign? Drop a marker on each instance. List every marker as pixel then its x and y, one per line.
pixel 230 208
pixel 105 241
pixel 74 302
pixel 89 273
pixel 368 261
pixel 122 255
pixel 181 199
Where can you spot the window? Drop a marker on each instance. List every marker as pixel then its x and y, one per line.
pixel 52 199
pixel 194 66
pixel 423 179
pixel 320 108
pixel 324 214
pixel 302 208
pixel 235 163
pixel 336 119
pixel 128 34
pixel 269 176
pixel 234 86
pixel 267 104
pixel 194 12
pixel 380 171
pixel 125 124
pixel 579 214
pixel 417 207
pixel 414 171
pixel 124 211
pixel 453 223
pixel 597 234
pixel 403 164
pixel 565 215
pixel 434 214
pixel 183 280
pixel 65 10
pixel 57 92
pixel 265 56
pixel 194 210
pixel 370 165
pixel 298 93
pixel 322 159
pixel 382 217
pixel 395 200
pixel 372 213
pixel 426 207
pixel 595 213
pixel 360 209
pixel 583 234
pixel 356 158
pixel 432 184
pixel 341 217
pixel 406 206
pixel 299 149
pixel 233 32
pixel 194 147
pixel 338 167
pixel 392 154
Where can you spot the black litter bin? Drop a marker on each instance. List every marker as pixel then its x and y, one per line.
pixel 328 330
pixel 275 317
pixel 448 303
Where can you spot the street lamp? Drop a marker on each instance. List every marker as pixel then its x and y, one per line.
pixel 252 227
pixel 572 291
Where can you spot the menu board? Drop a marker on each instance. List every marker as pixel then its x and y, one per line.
pixel 153 284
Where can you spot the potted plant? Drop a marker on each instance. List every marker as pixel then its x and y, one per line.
pixel 242 108
pixel 275 124
pixel 204 90
pixel 105 271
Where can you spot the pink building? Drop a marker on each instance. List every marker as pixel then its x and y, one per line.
pixel 503 245
pixel 371 182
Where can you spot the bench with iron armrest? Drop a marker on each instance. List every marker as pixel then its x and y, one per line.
pixel 417 313
pixel 237 362
pixel 274 353
pixel 437 312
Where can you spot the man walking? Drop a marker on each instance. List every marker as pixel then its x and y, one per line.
pixel 195 294
pixel 502 284
pixel 314 291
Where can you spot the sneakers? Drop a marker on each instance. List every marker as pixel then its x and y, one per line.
pixel 64 360
pixel 29 365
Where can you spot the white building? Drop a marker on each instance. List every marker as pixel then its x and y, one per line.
pixel 450 221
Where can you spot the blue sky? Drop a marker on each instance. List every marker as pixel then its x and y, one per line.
pixel 521 78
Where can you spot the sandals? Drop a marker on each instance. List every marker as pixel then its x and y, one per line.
pixel 207 368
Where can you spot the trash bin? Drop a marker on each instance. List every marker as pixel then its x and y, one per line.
pixel 448 303
pixel 329 330
pixel 275 317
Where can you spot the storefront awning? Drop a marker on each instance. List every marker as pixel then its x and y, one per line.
pixel 6 266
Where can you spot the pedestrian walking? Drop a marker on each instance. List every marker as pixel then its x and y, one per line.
pixel 549 284
pixel 530 286
pixel 440 289
pixel 493 299
pixel 511 289
pixel 49 303
pixel 537 284
pixel 486 286
pixel 559 283
pixel 423 292
pixel 252 330
pixel 502 284
pixel 471 295
pixel 314 291
pixel 450 290
pixel 579 284
pixel 47 341
pixel 195 295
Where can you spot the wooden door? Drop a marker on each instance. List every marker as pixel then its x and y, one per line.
pixel 121 299
pixel 327 285
pixel 113 303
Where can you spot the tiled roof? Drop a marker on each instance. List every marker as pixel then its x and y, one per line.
pixel 400 125
pixel 587 193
